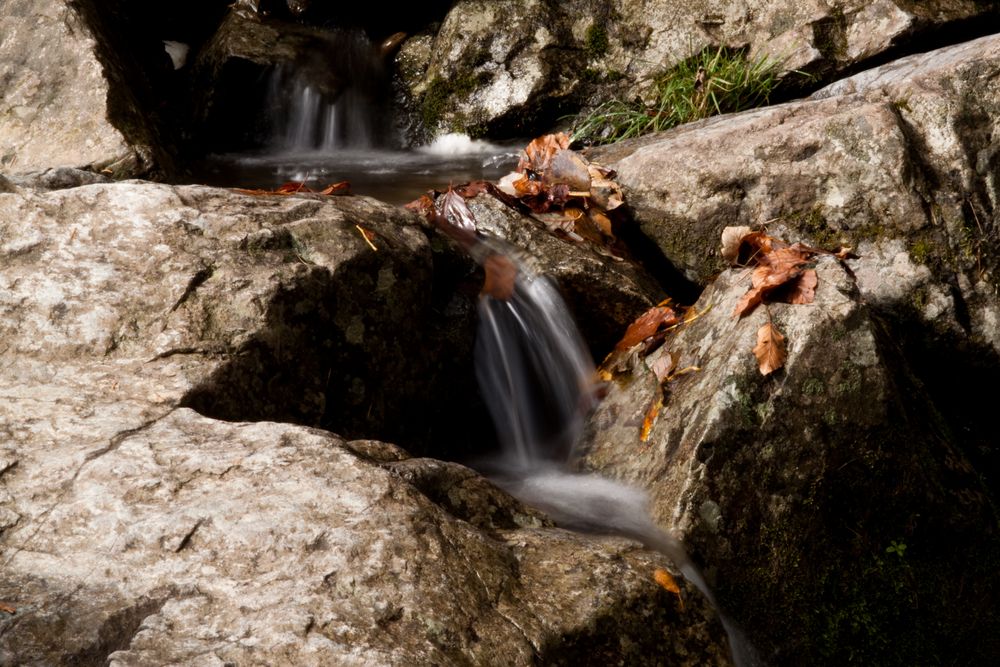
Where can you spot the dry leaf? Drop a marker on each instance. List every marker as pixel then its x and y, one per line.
pixel 650 417
pixel 568 168
pixel 602 222
pixel 802 289
pixel 666 580
pixel 770 349
pixel 339 188
pixel 646 325
pixel 539 153
pixel 456 211
pixel 732 237
pixel 9 609
pixel 501 274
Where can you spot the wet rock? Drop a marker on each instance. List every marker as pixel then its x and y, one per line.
pixel 58 178
pixel 134 530
pixel 833 492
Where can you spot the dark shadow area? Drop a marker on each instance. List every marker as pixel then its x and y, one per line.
pixel 337 353
pixel 649 255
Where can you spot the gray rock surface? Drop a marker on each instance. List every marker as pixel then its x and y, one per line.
pixel 832 492
pixel 53 101
pixel 135 530
pixel 511 68
pixel 898 159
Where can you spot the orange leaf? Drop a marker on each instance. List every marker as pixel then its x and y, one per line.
pixel 646 325
pixel 424 205
pixel 10 609
pixel 803 288
pixel 770 349
pixel 539 153
pixel 766 278
pixel 664 579
pixel 338 188
pixel 292 187
pixel 650 418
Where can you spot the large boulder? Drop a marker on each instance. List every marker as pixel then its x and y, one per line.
pixel 53 108
pixel 512 69
pixel 833 492
pixel 149 512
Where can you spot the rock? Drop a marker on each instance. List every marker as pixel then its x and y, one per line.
pixel 58 178
pixel 832 492
pixel 135 530
pixel 516 69
pixel 900 154
pixel 69 99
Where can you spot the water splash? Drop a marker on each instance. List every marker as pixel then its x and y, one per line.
pixel 537 379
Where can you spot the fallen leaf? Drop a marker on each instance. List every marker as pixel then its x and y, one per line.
pixel 767 278
pixel 753 247
pixel 456 211
pixel 473 188
pixel 501 275
pixel 424 205
pixel 770 349
pixel 650 418
pixel 664 579
pixel 646 325
pixel 9 609
pixel 568 168
pixel 602 222
pixel 732 237
pixel 339 188
pixel 802 289
pixel 538 154
pixel 606 193
pixel 291 187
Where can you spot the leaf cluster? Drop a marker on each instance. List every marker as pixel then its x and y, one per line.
pixel 715 81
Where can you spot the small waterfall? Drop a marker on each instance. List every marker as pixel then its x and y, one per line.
pixel 333 104
pixel 538 381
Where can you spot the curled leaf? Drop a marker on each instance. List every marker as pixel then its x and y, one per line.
pixel 338 188
pixel 770 349
pixel 538 154
pixel 802 289
pixel 732 237
pixel 646 325
pixel 456 211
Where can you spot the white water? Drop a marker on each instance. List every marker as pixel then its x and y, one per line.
pixel 537 379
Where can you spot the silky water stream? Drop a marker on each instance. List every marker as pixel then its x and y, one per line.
pixel 537 378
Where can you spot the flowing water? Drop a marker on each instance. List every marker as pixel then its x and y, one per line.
pixel 537 378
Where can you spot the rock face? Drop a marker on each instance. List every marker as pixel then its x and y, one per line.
pixel 53 104
pixel 136 530
pixel 833 492
pixel 507 70
pixel 865 473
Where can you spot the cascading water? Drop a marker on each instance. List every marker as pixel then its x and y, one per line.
pixel 317 109
pixel 537 379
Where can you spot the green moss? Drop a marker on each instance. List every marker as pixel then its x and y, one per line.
pixel 813 387
pixel 440 94
pixel 920 250
pixel 596 40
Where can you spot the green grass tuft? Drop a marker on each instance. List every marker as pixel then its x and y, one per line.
pixel 715 81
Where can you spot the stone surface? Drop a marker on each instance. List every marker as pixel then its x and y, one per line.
pixel 832 492
pixel 53 97
pixel 902 154
pixel 512 68
pixel 137 531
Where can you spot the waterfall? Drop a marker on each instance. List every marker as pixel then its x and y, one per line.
pixel 538 381
pixel 332 104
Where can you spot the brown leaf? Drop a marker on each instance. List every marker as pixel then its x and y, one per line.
pixel 538 154
pixel 291 187
pixel 650 418
pixel 501 274
pixel 569 168
pixel 732 238
pixel 781 267
pixel 770 349
pixel 473 189
pixel 664 579
pixel 456 211
pixel 424 205
pixel 9 609
pixel 338 188
pixel 602 222
pixel 802 289
pixel 753 247
pixel 646 325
